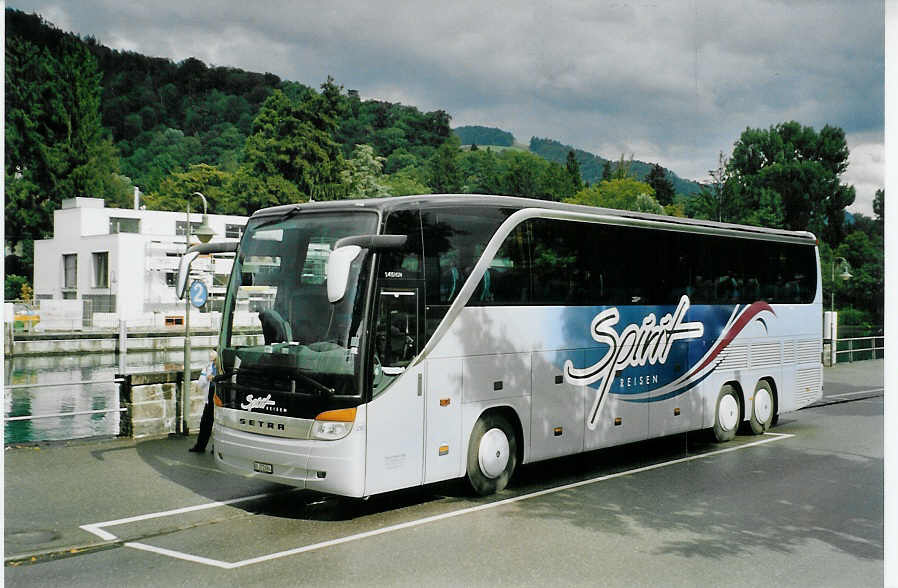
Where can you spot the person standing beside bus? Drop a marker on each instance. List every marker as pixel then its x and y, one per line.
pixel 207 385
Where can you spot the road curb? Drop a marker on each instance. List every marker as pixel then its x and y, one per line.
pixel 59 553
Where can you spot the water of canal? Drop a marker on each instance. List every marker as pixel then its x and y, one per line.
pixel 65 396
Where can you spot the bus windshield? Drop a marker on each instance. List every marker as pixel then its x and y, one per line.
pixel 309 346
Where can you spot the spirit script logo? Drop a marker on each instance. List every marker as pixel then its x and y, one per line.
pixel 253 403
pixel 638 344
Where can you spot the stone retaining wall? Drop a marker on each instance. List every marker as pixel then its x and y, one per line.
pixel 152 403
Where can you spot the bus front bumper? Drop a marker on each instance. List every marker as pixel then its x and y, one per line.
pixel 333 467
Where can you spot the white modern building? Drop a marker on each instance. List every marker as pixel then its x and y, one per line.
pixel 123 263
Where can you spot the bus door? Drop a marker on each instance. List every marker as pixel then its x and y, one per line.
pixel 395 441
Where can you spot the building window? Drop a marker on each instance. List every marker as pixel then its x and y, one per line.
pixel 123 225
pixel 101 269
pixel 181 228
pixel 98 303
pixel 70 271
pixel 234 231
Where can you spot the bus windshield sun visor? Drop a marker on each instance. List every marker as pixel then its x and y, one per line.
pixel 374 242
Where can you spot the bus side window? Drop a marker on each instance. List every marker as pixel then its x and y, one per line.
pixel 510 280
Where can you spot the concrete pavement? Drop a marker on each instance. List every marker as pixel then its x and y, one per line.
pixel 53 490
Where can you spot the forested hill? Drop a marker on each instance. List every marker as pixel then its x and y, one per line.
pixel 477 135
pixel 159 117
pixel 164 116
pixel 592 166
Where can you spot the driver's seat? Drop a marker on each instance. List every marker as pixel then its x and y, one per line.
pixel 274 328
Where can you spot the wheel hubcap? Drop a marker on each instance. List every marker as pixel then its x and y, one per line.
pixel 728 413
pixel 493 453
pixel 763 405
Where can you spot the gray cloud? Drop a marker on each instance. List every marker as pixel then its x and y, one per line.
pixel 674 83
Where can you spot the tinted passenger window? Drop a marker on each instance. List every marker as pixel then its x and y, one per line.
pixel 550 262
pixel 454 239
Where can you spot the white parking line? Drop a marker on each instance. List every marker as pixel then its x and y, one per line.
pixel 849 394
pixel 97 528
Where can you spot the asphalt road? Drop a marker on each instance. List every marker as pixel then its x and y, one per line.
pixel 802 506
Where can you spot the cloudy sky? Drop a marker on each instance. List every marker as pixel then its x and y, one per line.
pixel 669 82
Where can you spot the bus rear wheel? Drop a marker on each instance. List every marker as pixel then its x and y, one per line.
pixel 762 408
pixel 726 414
pixel 492 454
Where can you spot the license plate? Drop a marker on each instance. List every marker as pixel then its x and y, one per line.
pixel 263 468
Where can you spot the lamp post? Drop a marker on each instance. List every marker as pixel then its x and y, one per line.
pixel 845 275
pixel 204 233
pixel 831 321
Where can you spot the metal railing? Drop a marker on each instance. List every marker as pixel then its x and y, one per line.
pixel 866 347
pixel 29 417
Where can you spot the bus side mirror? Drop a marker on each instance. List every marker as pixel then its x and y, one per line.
pixel 338 265
pixel 184 272
pixel 193 253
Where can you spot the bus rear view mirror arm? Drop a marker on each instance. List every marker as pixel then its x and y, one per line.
pixel 346 250
pixel 374 242
pixel 193 253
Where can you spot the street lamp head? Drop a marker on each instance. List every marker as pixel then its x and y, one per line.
pixel 204 232
pixel 845 267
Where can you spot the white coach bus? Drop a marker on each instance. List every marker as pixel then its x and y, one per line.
pixel 416 339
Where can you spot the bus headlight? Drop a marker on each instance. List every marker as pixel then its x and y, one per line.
pixel 333 424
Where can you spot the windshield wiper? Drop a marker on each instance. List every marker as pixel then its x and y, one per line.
pixel 315 384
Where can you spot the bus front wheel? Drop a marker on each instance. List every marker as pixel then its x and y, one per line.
pixel 727 414
pixel 762 408
pixel 492 454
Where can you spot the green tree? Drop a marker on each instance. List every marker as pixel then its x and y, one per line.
pixel 480 172
pixel 292 144
pixel 716 201
pixel 405 183
pixel 622 168
pixel 13 286
pixel 622 194
pixel 401 159
pixel 55 144
pixel 802 167
pixel 879 208
pixel 606 171
pixel 363 175
pixel 647 203
pixel 866 289
pixel 158 153
pixel 572 166
pixel 555 183
pixel 663 187
pixel 520 174
pixel 445 176
pixel 256 192
pixel 212 182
